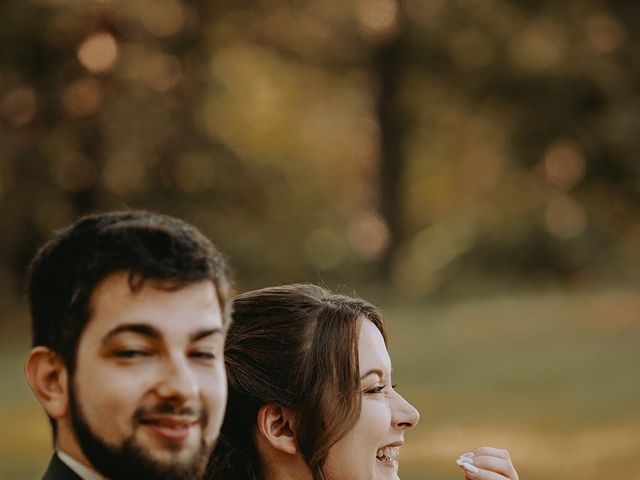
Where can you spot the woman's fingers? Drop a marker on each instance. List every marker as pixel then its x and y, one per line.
pixel 492 452
pixel 494 464
pixel 488 463
pixel 475 473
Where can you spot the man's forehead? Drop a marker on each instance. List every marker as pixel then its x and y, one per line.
pixel 128 284
pixel 193 307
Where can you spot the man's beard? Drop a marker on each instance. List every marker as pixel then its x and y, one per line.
pixel 131 460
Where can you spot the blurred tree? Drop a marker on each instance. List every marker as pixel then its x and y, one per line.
pixel 439 146
pixel 389 63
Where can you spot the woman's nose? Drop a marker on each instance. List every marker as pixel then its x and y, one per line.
pixel 405 415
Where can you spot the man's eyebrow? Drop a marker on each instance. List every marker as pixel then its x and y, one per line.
pixel 200 334
pixel 137 328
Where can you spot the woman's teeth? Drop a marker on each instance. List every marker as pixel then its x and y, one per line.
pixel 388 454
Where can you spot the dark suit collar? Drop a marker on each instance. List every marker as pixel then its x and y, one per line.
pixel 57 470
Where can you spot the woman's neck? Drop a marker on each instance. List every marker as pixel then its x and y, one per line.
pixel 279 466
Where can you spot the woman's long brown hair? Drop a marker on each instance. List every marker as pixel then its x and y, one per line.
pixel 295 346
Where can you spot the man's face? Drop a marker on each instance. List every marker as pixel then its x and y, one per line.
pixel 149 390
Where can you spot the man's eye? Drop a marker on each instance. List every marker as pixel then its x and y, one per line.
pixel 203 355
pixel 132 353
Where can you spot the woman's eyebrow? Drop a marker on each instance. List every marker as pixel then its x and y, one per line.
pixel 373 371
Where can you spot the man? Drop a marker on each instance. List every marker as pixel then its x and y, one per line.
pixel 128 320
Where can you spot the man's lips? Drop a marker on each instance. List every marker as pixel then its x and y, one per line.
pixel 171 427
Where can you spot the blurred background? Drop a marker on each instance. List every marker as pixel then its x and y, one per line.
pixel 470 166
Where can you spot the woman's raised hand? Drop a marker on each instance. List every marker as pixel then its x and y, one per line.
pixel 487 463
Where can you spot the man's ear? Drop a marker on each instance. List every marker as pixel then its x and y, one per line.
pixel 48 378
pixel 277 427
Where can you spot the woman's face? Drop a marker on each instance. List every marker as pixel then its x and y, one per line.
pixel 370 450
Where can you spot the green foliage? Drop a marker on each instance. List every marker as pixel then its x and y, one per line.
pixel 433 147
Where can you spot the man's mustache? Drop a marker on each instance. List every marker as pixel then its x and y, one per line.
pixel 166 408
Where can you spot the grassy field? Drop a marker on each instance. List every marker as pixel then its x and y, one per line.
pixel 555 378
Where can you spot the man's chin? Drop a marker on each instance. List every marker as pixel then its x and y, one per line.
pixel 167 454
pixel 135 461
pixel 177 450
pixel 143 456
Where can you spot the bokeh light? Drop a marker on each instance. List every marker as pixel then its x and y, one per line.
pixel 82 98
pixel 98 52
pixel 377 18
pixel 605 33
pixel 19 106
pixel 564 164
pixel 162 17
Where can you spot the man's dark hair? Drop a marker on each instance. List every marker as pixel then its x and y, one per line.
pixel 67 269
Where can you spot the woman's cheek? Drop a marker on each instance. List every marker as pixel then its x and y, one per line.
pixel 375 417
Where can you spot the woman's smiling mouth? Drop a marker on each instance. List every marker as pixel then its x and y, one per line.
pixel 388 455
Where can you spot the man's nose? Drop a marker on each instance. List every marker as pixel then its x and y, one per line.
pixel 177 380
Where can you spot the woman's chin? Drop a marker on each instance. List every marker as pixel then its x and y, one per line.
pixel 386 470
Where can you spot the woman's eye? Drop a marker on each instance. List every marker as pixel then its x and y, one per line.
pixel 377 389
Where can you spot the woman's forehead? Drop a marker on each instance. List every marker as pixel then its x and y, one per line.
pixel 372 350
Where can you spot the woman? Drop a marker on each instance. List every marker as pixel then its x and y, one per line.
pixel 310 393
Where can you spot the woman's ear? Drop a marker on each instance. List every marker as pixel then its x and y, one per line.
pixel 47 376
pixel 277 427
